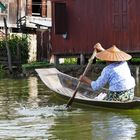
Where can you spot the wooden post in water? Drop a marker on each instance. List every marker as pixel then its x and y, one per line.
pixel 137 71
pixel 7 47
pixel 82 59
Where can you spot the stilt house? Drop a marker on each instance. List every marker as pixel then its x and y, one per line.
pixel 78 24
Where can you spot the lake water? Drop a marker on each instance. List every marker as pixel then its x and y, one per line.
pixel 30 111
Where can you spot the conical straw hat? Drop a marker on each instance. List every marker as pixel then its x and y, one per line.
pixel 113 54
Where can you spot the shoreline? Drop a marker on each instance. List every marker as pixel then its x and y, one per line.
pixel 76 70
pixel 70 69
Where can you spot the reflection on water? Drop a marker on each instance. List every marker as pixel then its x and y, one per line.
pixel 115 127
pixel 33 92
pixel 28 110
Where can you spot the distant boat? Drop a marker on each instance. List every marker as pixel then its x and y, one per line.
pixel 64 85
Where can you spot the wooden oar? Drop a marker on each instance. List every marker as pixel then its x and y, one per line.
pixel 96 47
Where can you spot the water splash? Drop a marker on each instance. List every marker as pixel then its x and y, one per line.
pixel 48 111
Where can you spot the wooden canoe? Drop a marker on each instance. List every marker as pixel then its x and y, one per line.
pixel 64 85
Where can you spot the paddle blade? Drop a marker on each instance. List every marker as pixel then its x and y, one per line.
pixel 69 103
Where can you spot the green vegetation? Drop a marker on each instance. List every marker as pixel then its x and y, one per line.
pixel 2 71
pixel 132 61
pixel 22 43
pixel 19 45
pixel 34 65
pixel 70 60
pixel 100 61
pixel 135 61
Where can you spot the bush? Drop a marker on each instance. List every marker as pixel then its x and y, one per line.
pixel 34 65
pixel 70 60
pixel 135 61
pixel 16 42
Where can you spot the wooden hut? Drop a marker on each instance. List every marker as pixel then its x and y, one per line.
pixel 79 24
pixel 28 16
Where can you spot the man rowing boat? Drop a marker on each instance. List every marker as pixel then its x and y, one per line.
pixel 117 74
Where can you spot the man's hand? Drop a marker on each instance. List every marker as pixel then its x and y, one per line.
pixel 98 47
pixel 85 79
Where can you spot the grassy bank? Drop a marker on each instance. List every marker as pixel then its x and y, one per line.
pixel 69 66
